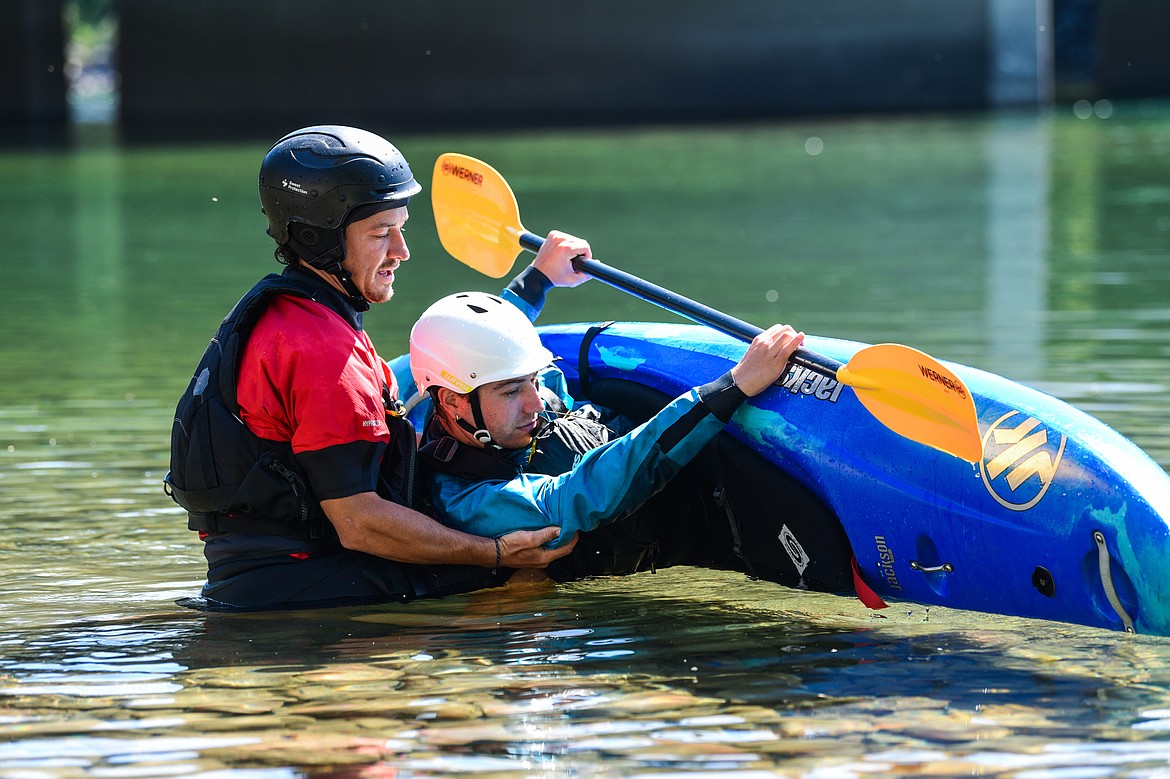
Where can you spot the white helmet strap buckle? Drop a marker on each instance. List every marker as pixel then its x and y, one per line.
pixel 479 430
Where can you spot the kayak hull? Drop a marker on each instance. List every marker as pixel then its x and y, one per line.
pixel 1062 518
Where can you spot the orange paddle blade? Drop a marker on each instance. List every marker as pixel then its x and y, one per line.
pixel 916 396
pixel 476 214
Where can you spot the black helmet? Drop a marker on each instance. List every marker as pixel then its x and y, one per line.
pixel 312 180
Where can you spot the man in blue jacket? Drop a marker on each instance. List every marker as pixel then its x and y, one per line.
pixel 502 462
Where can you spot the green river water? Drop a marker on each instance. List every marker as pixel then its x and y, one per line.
pixel 1034 246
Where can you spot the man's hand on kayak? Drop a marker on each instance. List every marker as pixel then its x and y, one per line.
pixel 766 358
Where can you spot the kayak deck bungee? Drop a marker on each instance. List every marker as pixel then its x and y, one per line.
pixel 1062 518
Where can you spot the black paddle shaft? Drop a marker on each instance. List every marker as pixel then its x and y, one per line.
pixel 683 306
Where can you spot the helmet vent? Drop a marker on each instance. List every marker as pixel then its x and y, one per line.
pixel 477 309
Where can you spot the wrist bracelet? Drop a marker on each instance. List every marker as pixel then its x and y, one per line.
pixel 497 565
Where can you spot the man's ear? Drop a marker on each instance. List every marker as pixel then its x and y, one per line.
pixel 448 398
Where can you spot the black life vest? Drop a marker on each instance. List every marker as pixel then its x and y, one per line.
pixel 231 480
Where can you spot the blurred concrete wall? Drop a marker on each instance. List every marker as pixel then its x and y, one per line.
pixel 32 72
pixel 210 68
pixel 1133 48
pixel 221 68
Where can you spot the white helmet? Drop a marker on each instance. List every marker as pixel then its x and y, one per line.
pixel 469 339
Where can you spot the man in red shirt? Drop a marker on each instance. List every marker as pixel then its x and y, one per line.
pixel 290 450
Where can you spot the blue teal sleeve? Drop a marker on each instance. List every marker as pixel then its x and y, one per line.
pixel 527 292
pixel 605 485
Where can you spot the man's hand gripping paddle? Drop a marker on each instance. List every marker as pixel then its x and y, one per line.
pixel 911 393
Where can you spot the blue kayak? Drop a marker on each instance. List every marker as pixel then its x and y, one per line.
pixel 1061 519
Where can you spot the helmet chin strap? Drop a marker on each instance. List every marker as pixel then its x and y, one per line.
pixel 356 299
pixel 307 242
pixel 479 430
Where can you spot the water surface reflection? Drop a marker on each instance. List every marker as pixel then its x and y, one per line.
pixel 606 677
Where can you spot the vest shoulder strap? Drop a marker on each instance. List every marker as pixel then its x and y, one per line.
pixel 446 455
pixel 237 325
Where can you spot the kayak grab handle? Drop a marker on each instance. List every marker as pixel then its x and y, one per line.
pixel 944 568
pixel 1106 573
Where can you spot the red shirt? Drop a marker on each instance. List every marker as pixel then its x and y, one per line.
pixel 309 378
